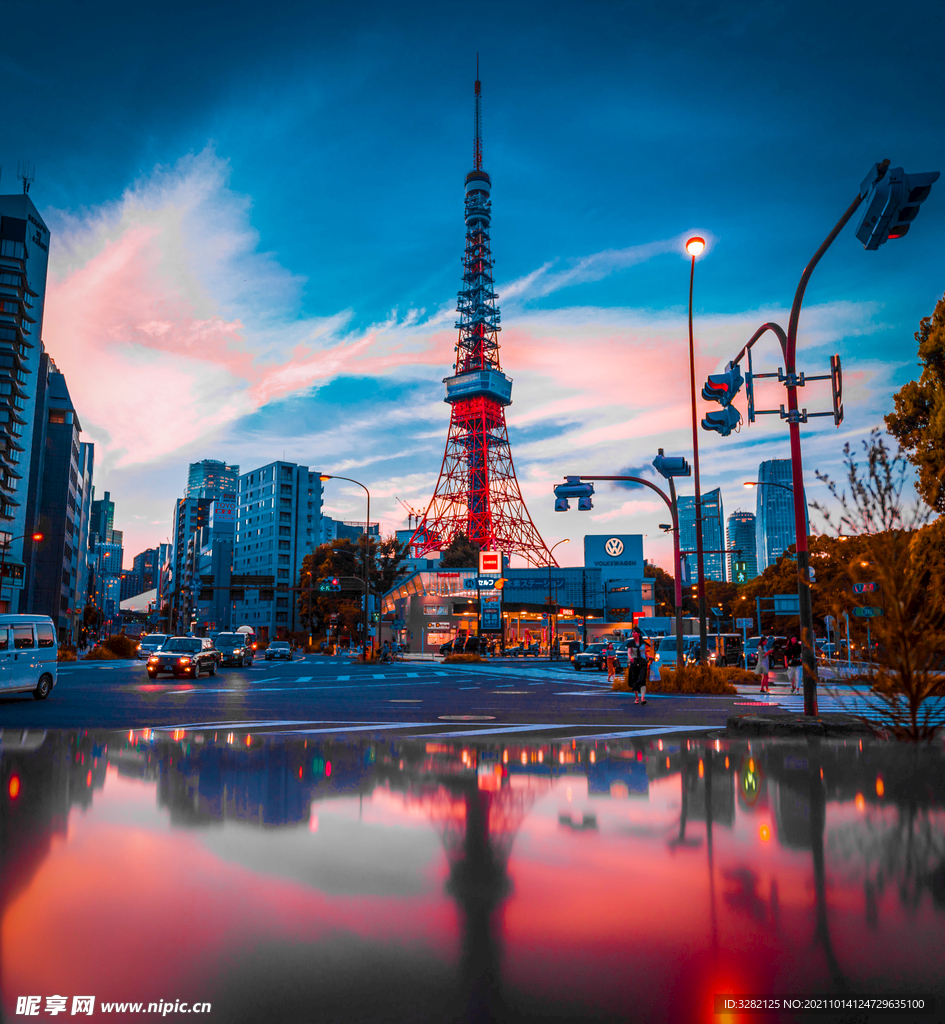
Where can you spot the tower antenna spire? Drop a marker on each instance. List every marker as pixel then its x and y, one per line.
pixel 477 142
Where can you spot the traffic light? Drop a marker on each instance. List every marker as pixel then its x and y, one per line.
pixel 329 583
pixel 668 467
pixel 723 387
pixel 574 488
pixel 334 584
pixel 724 421
pixel 891 203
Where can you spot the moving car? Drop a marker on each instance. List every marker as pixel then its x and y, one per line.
pixel 185 656
pixel 149 644
pixel 667 650
pixel 234 649
pixel 279 649
pixel 29 655
pixel 777 657
pixel 466 645
pixel 592 657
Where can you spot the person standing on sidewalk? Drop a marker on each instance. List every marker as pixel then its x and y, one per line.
pixel 764 663
pixel 794 658
pixel 637 664
pixel 610 656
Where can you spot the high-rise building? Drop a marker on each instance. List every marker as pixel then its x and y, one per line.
pixel 741 542
pixel 713 536
pixel 103 518
pixel 24 251
pixel 144 568
pixel 191 514
pixel 57 566
pixel 277 524
pixel 774 512
pixel 213 477
pixel 207 568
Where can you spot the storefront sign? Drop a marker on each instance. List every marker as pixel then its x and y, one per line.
pixel 491 611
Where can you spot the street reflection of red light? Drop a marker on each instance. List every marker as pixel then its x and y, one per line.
pixel 751 765
pixel 639 755
pixel 701 768
pixel 13 787
pixel 88 779
pixel 300 771
pixel 764 833
pixel 327 769
pixel 726 762
pixel 880 786
pixel 667 762
pixel 860 802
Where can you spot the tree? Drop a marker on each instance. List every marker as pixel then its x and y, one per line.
pixel 664 589
pixel 460 553
pixel 389 556
pixel 905 556
pixel 918 423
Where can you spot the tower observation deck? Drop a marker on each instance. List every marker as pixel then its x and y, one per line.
pixel 477 492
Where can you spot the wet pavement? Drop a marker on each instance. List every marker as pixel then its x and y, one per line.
pixel 294 877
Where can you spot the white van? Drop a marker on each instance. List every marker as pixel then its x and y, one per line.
pixel 29 655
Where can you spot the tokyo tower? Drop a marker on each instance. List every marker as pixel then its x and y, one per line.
pixel 477 492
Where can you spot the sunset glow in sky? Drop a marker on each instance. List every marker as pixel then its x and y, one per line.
pixel 257 231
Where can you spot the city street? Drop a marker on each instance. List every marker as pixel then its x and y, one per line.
pixel 339 696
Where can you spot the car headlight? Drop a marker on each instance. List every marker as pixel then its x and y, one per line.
pixel 183 661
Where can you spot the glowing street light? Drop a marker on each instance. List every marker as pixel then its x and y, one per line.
pixel 695 246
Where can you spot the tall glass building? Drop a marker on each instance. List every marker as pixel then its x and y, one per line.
pixel 741 537
pixel 213 477
pixel 713 536
pixel 774 512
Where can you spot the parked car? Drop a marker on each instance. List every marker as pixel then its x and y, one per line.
pixel 279 649
pixel 29 655
pixel 185 656
pixel 149 644
pixel 234 649
pixel 466 645
pixel 523 651
pixel 591 657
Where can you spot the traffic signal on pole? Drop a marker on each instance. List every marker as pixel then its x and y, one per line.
pixel 334 583
pixel 574 488
pixel 668 467
pixel 891 203
pixel 724 421
pixel 723 387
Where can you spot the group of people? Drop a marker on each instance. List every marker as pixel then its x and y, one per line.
pixel 638 664
pixel 793 656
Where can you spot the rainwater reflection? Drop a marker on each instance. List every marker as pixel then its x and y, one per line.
pixel 281 878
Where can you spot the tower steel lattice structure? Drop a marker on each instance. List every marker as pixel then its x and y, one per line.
pixel 477 492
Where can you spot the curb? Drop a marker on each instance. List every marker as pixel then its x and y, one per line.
pixel 795 725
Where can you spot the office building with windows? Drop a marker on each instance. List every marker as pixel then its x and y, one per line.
pixel 774 512
pixel 278 523
pixel 713 535
pixel 212 477
pixel 741 543
pixel 60 500
pixel 24 250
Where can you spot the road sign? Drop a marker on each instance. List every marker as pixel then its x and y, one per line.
pixel 482 582
pixel 864 588
pixel 787 604
pixel 867 613
pixel 744 623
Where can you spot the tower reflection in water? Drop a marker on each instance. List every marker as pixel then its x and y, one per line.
pixel 784 847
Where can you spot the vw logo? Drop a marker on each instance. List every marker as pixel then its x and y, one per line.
pixel 614 547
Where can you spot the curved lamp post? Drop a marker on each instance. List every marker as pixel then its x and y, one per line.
pixel 567 540
pixel 367 551
pixel 695 247
pixel 37 538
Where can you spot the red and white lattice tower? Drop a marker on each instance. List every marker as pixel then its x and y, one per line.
pixel 477 493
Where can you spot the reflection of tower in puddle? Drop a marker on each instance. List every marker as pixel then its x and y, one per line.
pixel 477 814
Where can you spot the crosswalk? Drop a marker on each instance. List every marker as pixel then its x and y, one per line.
pixel 854 704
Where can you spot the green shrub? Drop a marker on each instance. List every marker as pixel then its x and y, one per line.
pixel 122 646
pixel 100 654
pixel 695 679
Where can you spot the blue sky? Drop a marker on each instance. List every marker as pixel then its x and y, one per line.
pixel 257 227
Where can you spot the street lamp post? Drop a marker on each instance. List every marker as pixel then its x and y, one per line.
pixel 695 247
pixel 35 537
pixel 567 540
pixel 367 550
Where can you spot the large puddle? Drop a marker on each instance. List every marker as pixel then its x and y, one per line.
pixel 286 879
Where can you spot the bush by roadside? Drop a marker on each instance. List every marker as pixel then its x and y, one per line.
pixel 122 646
pixel 696 679
pixel 453 659
pixel 100 654
pixel 67 653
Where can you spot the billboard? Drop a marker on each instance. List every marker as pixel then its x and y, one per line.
pixel 619 556
pixel 491 611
